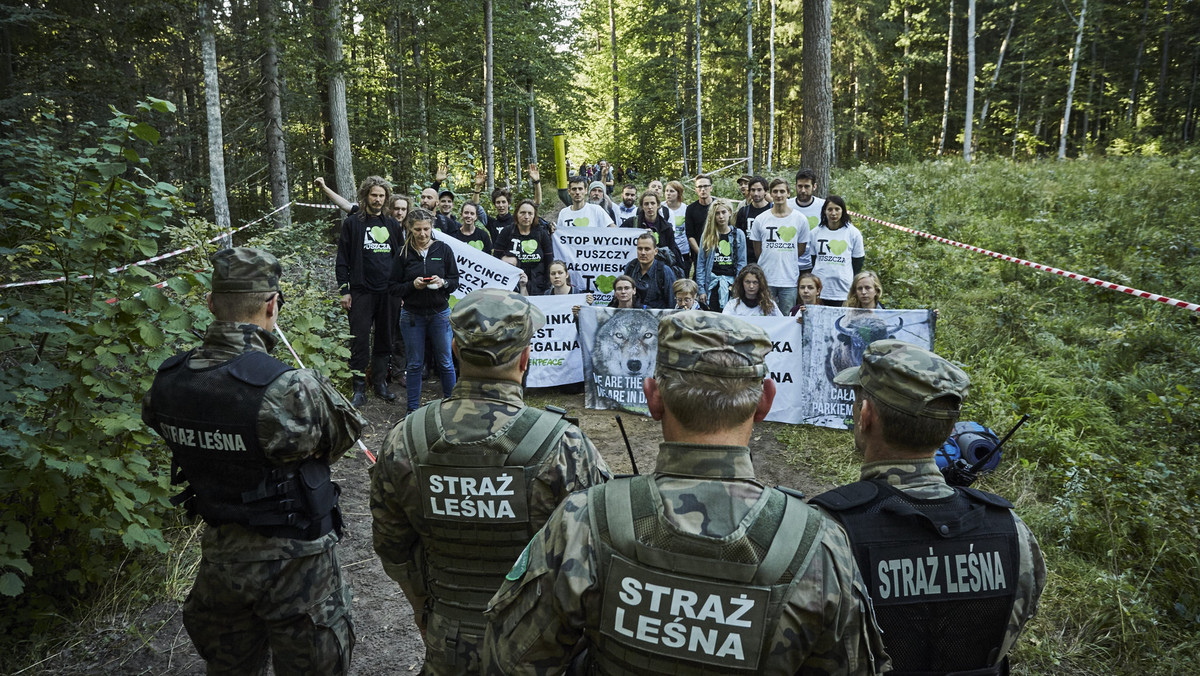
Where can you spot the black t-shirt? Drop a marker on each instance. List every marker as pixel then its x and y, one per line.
pixel 534 253
pixel 378 245
pixel 744 217
pixel 694 218
pixel 724 264
pixel 480 239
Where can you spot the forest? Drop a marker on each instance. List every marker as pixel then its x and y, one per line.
pixel 1060 131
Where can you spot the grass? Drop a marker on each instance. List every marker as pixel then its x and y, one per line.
pixel 1104 472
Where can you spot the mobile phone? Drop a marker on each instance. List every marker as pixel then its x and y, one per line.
pixel 427 279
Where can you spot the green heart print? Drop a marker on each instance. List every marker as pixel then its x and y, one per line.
pixel 724 248
pixel 529 246
pixel 380 234
pixel 605 283
pixel 838 247
pixel 452 302
pixel 813 222
pixel 787 233
pixel 477 244
pixel 582 222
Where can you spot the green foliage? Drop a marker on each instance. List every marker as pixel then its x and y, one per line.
pixel 82 479
pixel 1105 471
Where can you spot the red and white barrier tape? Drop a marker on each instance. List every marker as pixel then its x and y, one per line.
pixel 1195 307
pixel 152 259
pixel 315 206
pixel 369 454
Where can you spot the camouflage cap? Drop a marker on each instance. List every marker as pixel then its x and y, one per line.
pixel 907 378
pixel 685 338
pixel 492 326
pixel 244 270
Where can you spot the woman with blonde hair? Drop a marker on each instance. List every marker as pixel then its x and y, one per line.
pixel 722 255
pixel 865 291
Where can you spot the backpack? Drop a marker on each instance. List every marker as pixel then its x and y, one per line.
pixel 969 441
pixel 667 258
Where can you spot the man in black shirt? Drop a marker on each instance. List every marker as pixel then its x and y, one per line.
pixel 756 203
pixel 369 242
pixel 695 216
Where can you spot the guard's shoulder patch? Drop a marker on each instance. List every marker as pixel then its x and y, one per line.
pixel 847 497
pixel 521 565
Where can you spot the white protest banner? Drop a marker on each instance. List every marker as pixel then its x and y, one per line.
pixel 595 257
pixel 556 358
pixel 619 351
pixel 477 269
pixel 785 364
pixel 835 339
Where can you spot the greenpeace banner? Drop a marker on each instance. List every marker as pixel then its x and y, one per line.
pixel 595 257
pixel 619 351
pixel 478 269
pixel 555 357
pixel 835 339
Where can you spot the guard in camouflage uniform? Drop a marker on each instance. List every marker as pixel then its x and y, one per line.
pixel 953 572
pixel 253 439
pixel 463 483
pixel 698 569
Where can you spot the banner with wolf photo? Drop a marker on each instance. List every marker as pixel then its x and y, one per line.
pixel 595 257
pixel 620 347
pixel 835 339
pixel 555 357
pixel 478 269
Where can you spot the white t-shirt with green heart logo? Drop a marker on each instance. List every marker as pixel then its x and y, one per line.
pixel 780 237
pixel 832 253
pixel 812 214
pixel 589 216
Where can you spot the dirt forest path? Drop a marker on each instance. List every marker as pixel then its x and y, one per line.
pixel 154 642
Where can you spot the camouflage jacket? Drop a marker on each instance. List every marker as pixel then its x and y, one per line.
pixel 552 598
pixel 302 416
pixel 923 480
pixel 476 409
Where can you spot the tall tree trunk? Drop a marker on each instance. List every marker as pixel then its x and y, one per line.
pixel 422 98
pixel 907 118
pixel 969 118
pixel 999 62
pixel 1166 59
pixel 771 106
pixel 339 122
pixel 816 143
pixel 1189 118
pixel 1089 106
pixel 273 114
pixel 699 116
pixel 946 101
pixel 854 149
pixel 1066 119
pixel 1137 65
pixel 402 158
pixel 216 137
pixel 612 31
pixel 750 86
pixel 1020 104
pixel 533 156
pixel 489 148
pixel 517 142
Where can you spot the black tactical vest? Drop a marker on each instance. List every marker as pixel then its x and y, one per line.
pixel 208 417
pixel 476 505
pixel 942 574
pixel 676 604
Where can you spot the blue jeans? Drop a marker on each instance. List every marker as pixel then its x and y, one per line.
pixel 414 328
pixel 785 297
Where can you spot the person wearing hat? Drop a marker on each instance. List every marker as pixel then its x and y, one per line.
pixel 698 568
pixel 463 483
pixel 253 439
pixel 444 219
pixel 953 572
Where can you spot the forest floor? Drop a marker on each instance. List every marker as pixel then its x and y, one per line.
pixel 152 640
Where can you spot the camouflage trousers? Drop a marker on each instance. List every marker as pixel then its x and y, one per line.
pixel 299 609
pixel 451 649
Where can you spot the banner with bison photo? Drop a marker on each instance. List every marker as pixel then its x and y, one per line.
pixel 835 339
pixel 595 257
pixel 555 357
